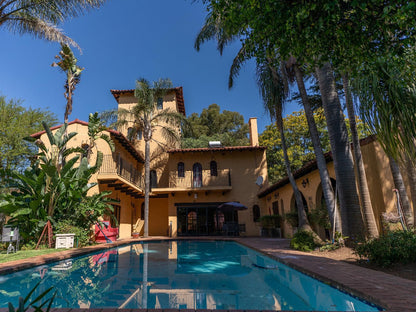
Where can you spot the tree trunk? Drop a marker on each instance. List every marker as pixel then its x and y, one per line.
pixel 302 218
pixel 146 187
pixel 365 200
pixel 411 175
pixel 399 185
pixel 352 221
pixel 327 190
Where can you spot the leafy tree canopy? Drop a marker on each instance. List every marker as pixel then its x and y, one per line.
pixel 345 32
pixel 214 125
pixel 299 143
pixel 16 123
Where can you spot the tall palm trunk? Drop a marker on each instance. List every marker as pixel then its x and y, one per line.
pixel 146 186
pixel 302 218
pixel 399 185
pixel 411 175
pixel 352 222
pixel 365 200
pixel 327 190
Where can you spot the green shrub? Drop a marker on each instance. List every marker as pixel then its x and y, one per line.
pixel 394 247
pixel 338 242
pixel 303 241
pixel 319 217
pixel 82 236
pixel 292 218
pixel 271 221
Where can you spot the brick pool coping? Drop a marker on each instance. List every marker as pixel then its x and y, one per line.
pixel 390 292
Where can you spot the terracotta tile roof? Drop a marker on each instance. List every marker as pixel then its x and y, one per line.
pixel 114 134
pixel 216 149
pixel 38 134
pixel 178 92
pixel 307 168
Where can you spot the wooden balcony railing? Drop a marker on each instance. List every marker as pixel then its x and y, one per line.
pixel 122 168
pixel 191 180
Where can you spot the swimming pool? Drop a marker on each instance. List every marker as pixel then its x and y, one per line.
pixel 179 275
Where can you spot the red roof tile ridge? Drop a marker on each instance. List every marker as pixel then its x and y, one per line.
pixel 224 148
pixel 75 121
pixel 130 148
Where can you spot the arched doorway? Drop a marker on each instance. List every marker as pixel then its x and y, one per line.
pixel 153 179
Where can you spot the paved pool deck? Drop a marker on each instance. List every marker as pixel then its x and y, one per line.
pixel 390 292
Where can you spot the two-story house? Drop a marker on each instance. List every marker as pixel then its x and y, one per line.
pixel 187 185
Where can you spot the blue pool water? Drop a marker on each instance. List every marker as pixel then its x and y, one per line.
pixel 180 275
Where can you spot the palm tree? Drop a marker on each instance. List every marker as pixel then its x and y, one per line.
pixel 327 190
pixel 399 185
pixel 147 119
pixel 387 97
pixel 41 17
pixel 274 87
pixel 67 62
pixel 217 26
pixel 274 91
pixel 352 220
pixel 364 193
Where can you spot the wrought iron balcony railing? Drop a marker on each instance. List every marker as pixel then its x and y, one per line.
pixel 192 179
pixel 122 168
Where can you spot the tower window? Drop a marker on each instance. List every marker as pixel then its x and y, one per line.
pixel 159 103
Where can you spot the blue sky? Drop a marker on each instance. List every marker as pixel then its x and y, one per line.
pixel 122 41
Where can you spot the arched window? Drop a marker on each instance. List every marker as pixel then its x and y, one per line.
pixel 159 103
pixel 256 213
pixel 197 175
pixel 139 135
pixel 129 133
pixel 153 179
pixel 213 168
pixel 181 170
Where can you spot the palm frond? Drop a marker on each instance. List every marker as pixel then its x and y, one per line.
pixel 24 23
pixel 271 86
pixel 238 62
pixel 214 28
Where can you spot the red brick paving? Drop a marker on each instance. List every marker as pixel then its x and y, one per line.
pixel 393 293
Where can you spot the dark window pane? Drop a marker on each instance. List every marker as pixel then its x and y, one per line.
pixel 213 168
pixel 256 213
pixel 159 103
pixel 181 170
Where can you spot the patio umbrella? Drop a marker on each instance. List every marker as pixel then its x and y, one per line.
pixel 231 206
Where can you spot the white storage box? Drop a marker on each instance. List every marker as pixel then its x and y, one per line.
pixel 64 240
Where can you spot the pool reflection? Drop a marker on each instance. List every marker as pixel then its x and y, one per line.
pixel 179 275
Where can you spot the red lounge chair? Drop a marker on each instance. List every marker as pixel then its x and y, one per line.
pixel 105 233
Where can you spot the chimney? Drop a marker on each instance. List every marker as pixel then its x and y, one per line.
pixel 254 135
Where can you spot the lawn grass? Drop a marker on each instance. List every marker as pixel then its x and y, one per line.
pixel 24 254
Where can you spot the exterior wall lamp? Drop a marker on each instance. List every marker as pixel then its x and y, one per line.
pixel 305 182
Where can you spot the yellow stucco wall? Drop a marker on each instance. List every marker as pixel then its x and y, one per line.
pixel 379 178
pixel 245 167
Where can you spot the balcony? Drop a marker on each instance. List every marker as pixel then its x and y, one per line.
pixel 121 174
pixel 203 182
